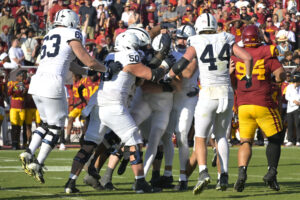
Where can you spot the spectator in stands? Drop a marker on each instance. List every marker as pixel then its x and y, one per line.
pixel 28 47
pixel 181 8
pixel 189 17
pixel 101 37
pixel 100 10
pixel 27 4
pixel 7 19
pixel 148 10
pixel 285 30
pixel 126 14
pixel 244 14
pixel 261 15
pixel 234 14
pixel 120 29
pixel 296 61
pixel 118 8
pixel 241 3
pixel 254 20
pixel 161 9
pixel 271 30
pixel 282 46
pixel 57 6
pixel 218 13
pixel 278 10
pixel 5 36
pixel 15 53
pixel 73 6
pixel 289 57
pixel 226 7
pixel 171 15
pixel 287 18
pixel 6 63
pixel 275 20
pixel 88 9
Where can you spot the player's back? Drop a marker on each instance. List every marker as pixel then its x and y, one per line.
pixel 213 54
pixel 265 62
pixel 56 53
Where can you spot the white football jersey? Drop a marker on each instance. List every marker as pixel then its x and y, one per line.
pixel 213 56
pixel 56 56
pixel 117 90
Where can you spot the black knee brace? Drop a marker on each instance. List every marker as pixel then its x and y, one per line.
pixel 110 139
pixel 86 150
pixel 117 152
pixel 53 141
pixel 137 153
pixel 250 143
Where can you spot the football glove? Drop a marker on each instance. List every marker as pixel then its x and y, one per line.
pixel 114 67
pixel 248 81
pixel 166 42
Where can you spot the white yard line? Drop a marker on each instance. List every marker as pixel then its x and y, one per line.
pixel 44 194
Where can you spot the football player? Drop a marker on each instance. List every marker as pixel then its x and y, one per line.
pixel 214 107
pixel 256 106
pixel 61 46
pixel 184 103
pixel 112 109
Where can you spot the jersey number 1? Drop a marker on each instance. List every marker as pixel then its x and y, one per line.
pixel 55 45
pixel 211 59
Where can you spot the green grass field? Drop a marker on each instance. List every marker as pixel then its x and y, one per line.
pixel 15 184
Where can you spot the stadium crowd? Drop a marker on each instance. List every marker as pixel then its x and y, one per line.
pixel 23 24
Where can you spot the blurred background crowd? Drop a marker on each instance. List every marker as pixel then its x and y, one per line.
pixel 23 23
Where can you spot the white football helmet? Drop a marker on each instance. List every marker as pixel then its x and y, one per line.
pixel 126 41
pixel 205 22
pixel 67 18
pixel 156 43
pixel 185 31
pixel 142 34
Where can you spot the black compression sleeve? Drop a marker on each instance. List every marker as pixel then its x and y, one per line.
pixel 179 66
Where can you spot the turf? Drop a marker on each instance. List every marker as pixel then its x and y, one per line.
pixel 15 184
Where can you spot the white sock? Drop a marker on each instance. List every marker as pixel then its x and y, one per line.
pixel 182 177
pixel 36 140
pixel 223 151
pixel 202 167
pixel 219 175
pixel 73 176
pixel 45 150
pixel 168 173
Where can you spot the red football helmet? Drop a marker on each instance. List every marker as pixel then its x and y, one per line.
pixel 251 36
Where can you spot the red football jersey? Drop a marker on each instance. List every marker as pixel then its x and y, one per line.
pixel 265 62
pixel 90 87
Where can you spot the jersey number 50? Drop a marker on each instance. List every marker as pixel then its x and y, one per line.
pixel 211 58
pixel 54 48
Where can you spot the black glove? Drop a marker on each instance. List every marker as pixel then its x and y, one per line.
pixel 193 92
pixel 114 67
pixel 170 60
pixel 248 81
pixel 166 42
